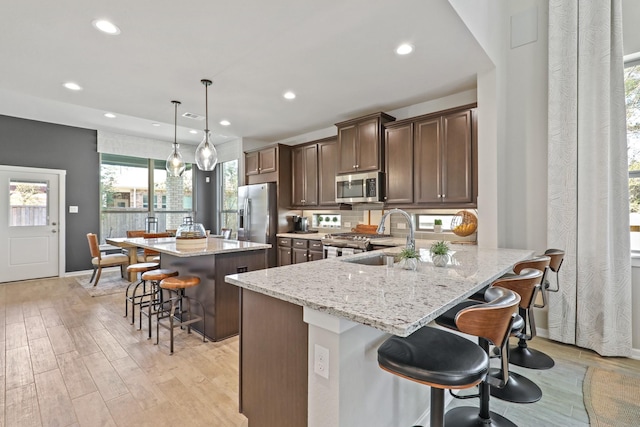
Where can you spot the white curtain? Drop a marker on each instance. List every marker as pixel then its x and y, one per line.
pixel 588 198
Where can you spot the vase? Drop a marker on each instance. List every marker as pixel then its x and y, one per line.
pixel 440 260
pixel 409 264
pixel 437 229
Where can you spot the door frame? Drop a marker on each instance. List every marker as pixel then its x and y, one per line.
pixel 62 203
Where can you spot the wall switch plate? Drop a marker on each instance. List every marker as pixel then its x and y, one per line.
pixel 73 209
pixel 321 361
pixel 207 179
pixel 402 226
pixel 347 224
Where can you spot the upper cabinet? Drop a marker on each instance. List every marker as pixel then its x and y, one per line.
pixel 305 175
pixel 432 161
pixel 360 143
pixel 327 169
pixel 261 161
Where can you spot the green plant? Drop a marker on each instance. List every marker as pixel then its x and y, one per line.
pixel 440 248
pixel 407 253
pixel 320 219
pixel 437 222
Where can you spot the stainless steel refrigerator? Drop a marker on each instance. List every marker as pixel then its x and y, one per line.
pixel 258 216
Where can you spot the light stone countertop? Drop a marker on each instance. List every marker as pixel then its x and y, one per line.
pixel 167 245
pixel 392 300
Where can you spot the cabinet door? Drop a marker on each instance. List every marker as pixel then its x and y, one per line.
pixel 426 148
pixel 297 182
pixel 367 146
pixel 299 255
pixel 456 158
pixel 399 164
pixel 314 256
pixel 327 161
pixel 347 149
pixel 284 256
pixel 251 163
pixel 311 175
pixel 267 160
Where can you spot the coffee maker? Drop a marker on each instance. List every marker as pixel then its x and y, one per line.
pixel 300 224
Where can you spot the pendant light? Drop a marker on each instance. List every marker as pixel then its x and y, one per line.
pixel 206 154
pixel 175 164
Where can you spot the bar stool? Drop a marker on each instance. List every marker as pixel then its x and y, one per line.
pixel 443 360
pixel 155 299
pixel 133 298
pixel 556 257
pixel 176 286
pixel 504 384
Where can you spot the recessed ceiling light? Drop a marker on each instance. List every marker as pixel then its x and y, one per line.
pixel 155 124
pixel 110 115
pixel 289 95
pixel 106 27
pixel 72 86
pixel 404 49
pixel 193 131
pixel 225 122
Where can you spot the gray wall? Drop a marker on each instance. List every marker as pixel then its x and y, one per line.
pixel 44 145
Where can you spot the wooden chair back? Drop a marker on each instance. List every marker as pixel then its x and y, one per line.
pixel 556 256
pixel 540 262
pixel 149 252
pixel 524 284
pixel 492 320
pixel 135 233
pixel 94 247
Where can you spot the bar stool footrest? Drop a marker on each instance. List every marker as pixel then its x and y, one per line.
pixel 467 416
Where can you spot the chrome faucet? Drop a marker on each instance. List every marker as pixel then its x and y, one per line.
pixel 411 241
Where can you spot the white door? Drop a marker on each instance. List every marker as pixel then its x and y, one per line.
pixel 29 223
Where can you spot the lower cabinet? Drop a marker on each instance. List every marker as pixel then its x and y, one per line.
pixel 295 251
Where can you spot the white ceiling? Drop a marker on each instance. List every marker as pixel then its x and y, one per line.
pixel 338 56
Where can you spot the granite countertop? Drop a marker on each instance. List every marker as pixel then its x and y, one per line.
pixel 392 300
pixel 167 245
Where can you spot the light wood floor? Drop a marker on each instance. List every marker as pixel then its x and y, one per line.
pixel 68 359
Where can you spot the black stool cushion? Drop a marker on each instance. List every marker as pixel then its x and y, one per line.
pixel 436 357
pixel 448 318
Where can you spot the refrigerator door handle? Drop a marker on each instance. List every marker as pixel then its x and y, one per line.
pixel 247 210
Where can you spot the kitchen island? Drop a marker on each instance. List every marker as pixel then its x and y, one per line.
pixel 211 264
pixel 310 332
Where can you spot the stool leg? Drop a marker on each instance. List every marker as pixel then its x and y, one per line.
pixel 436 415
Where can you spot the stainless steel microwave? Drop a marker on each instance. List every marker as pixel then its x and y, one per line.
pixel 363 187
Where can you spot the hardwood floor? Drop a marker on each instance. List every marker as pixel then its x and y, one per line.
pixel 72 360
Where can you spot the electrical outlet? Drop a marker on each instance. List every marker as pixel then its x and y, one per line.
pixel 321 361
pixel 347 224
pixel 402 226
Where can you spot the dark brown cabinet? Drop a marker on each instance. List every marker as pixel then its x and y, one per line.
pixel 295 251
pixel 262 161
pixel 305 175
pixel 360 143
pixel 431 160
pixel 285 251
pixel 399 164
pixel 327 169
pixel 443 155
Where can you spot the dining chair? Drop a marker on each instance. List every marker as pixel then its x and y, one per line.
pixel 98 260
pixel 226 233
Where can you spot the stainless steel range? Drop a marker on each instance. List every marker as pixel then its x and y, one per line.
pixel 358 242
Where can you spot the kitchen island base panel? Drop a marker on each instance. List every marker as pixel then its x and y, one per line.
pixel 273 362
pixel 221 300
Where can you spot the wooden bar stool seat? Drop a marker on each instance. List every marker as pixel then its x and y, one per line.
pixel 174 309
pixel 152 304
pixel 443 360
pixel 134 298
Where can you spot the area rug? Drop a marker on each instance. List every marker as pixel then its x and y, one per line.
pixel 611 398
pixel 109 283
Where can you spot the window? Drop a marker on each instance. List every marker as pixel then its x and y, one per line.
pixel 228 200
pixel 125 193
pixel 632 98
pixel 425 222
pixel 28 203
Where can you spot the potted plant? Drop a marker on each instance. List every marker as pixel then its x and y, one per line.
pixel 409 259
pixel 437 225
pixel 440 253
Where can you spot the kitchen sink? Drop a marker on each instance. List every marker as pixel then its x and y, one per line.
pixel 378 259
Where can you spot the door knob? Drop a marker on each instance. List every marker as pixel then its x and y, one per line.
pixel 53 223
pixel 54 231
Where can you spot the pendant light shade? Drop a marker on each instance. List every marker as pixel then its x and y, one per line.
pixel 206 153
pixel 175 164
